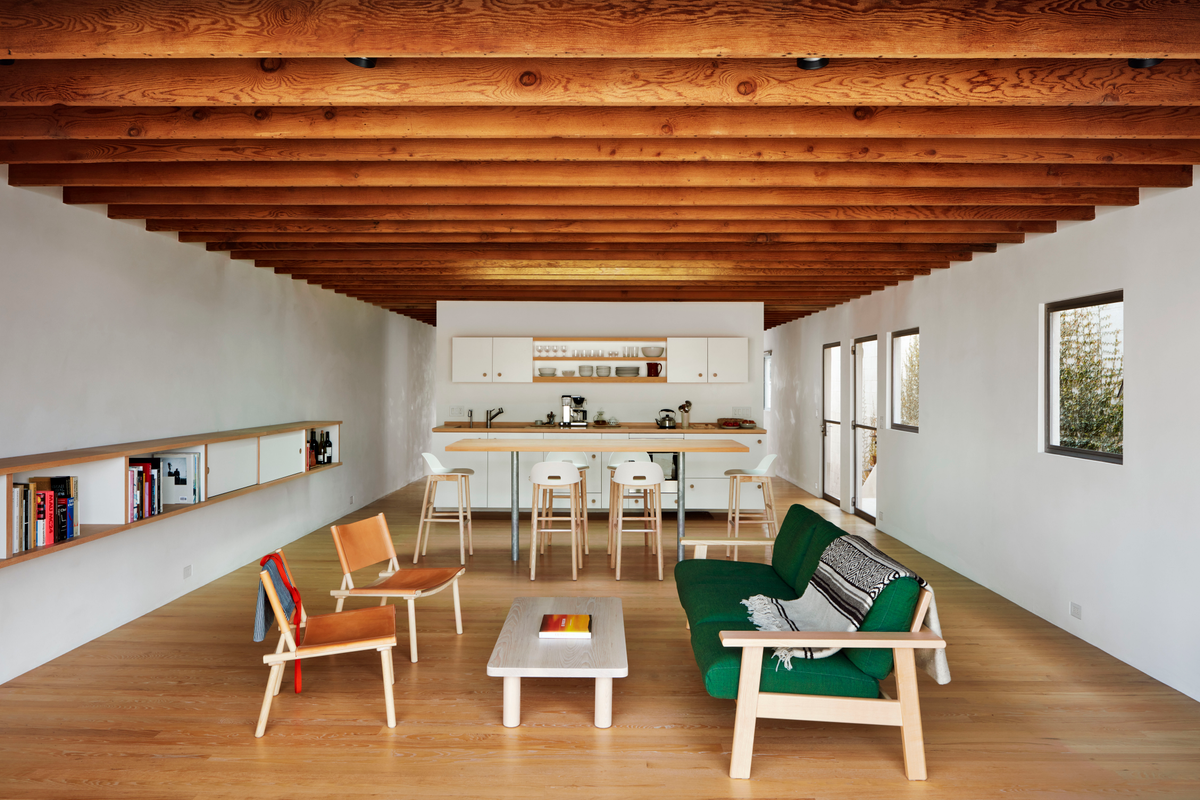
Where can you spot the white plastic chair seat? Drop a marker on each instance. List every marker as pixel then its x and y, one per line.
pixel 577 460
pixel 618 459
pixel 554 473
pixel 436 467
pixel 762 469
pixel 645 477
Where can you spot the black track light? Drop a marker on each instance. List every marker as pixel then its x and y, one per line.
pixel 1145 63
pixel 812 63
pixel 7 62
pixel 362 61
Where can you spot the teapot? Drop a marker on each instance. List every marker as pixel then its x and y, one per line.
pixel 666 418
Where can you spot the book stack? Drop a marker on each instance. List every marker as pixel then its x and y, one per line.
pixel 180 478
pixel 143 497
pixel 45 510
pixel 566 626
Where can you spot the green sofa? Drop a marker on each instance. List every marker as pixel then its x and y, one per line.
pixel 842 686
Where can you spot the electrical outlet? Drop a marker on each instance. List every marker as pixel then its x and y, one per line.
pixel 1076 611
pixel 458 412
pixel 187 571
pixel 742 412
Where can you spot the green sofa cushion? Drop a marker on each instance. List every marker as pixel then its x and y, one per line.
pixel 835 676
pixel 792 541
pixel 891 611
pixel 823 534
pixel 712 591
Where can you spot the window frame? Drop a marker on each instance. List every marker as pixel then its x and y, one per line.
pixel 1103 298
pixel 893 424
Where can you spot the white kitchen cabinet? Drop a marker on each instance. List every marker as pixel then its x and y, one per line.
pixel 471 359
pixel 687 360
pixel 717 360
pixel 729 360
pixel 707 472
pixel 447 491
pixel 512 360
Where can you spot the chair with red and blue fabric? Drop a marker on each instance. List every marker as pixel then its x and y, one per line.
pixel 324 634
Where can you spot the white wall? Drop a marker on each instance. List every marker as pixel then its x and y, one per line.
pixel 627 402
pixel 113 334
pixel 973 490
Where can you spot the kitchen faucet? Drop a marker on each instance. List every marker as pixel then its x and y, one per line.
pixel 491 416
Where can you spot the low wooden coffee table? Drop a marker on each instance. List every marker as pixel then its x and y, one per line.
pixel 520 653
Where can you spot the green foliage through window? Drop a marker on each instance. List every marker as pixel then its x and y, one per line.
pixel 1090 378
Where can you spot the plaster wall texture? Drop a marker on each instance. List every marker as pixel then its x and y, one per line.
pixel 113 334
pixel 974 488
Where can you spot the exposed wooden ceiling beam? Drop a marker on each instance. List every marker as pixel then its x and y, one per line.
pixel 612 243
pixel 596 81
pixel 433 122
pixel 596 196
pixel 383 218
pixel 758 28
pixel 526 253
pixel 797 150
pixel 550 174
pixel 614 266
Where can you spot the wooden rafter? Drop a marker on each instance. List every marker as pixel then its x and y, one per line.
pixel 549 152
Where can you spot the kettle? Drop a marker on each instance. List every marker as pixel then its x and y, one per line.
pixel 666 418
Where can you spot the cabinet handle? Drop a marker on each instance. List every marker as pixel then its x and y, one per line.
pixel 699 374
pixel 714 374
pixel 593 458
pixel 691 486
pixel 499 374
pixel 760 441
pixel 485 374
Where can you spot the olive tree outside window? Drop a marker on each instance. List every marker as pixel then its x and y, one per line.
pixel 906 379
pixel 1085 383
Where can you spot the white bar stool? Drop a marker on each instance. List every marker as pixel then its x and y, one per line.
pixel 647 478
pixel 546 476
pixel 735 517
pixel 580 462
pixel 462 480
pixel 616 499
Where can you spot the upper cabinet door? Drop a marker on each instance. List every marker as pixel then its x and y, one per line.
pixel 512 360
pixel 471 359
pixel 687 360
pixel 728 360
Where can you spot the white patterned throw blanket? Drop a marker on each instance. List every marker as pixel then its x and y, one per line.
pixel 848 579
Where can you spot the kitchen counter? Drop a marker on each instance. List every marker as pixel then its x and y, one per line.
pixel 632 428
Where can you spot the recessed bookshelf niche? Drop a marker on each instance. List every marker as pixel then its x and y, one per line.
pixel 227 464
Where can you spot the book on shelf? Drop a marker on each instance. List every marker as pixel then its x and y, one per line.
pixel 566 626
pixel 45 518
pixel 180 478
pixel 151 469
pixel 24 518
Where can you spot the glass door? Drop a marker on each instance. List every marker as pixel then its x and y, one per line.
pixel 865 424
pixel 831 423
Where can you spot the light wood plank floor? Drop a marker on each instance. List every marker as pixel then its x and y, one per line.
pixel 165 706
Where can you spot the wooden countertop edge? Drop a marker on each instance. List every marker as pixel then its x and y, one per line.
pixel 634 429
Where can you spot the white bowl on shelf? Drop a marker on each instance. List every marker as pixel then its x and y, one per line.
pixel 652 352
pixel 603 372
pixel 585 371
pixel 547 372
pixel 568 373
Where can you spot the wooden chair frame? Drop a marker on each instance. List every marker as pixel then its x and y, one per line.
pixel 736 517
pixel 408 584
pixel 337 635
pixel 542 517
pixel 904 711
pixel 431 516
pixel 651 518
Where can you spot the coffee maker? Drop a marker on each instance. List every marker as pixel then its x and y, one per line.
pixel 574 411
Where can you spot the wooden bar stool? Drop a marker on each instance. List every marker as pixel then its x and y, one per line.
pixel 429 515
pixel 616 499
pixel 735 516
pixel 546 477
pixel 580 462
pixel 647 478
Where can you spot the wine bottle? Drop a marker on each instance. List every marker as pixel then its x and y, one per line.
pixel 312 448
pixel 328 449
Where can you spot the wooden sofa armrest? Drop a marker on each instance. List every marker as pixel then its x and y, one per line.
pixel 702 545
pixel 925 639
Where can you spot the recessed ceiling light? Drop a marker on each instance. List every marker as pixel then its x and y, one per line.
pixel 1145 63
pixel 811 63
pixel 362 61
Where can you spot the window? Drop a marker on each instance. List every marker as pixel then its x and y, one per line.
pixel 1085 386
pixel 766 379
pixel 906 379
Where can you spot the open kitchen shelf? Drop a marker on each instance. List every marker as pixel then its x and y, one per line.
pixel 610 379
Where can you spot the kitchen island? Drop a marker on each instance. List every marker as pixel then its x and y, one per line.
pixel 505 483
